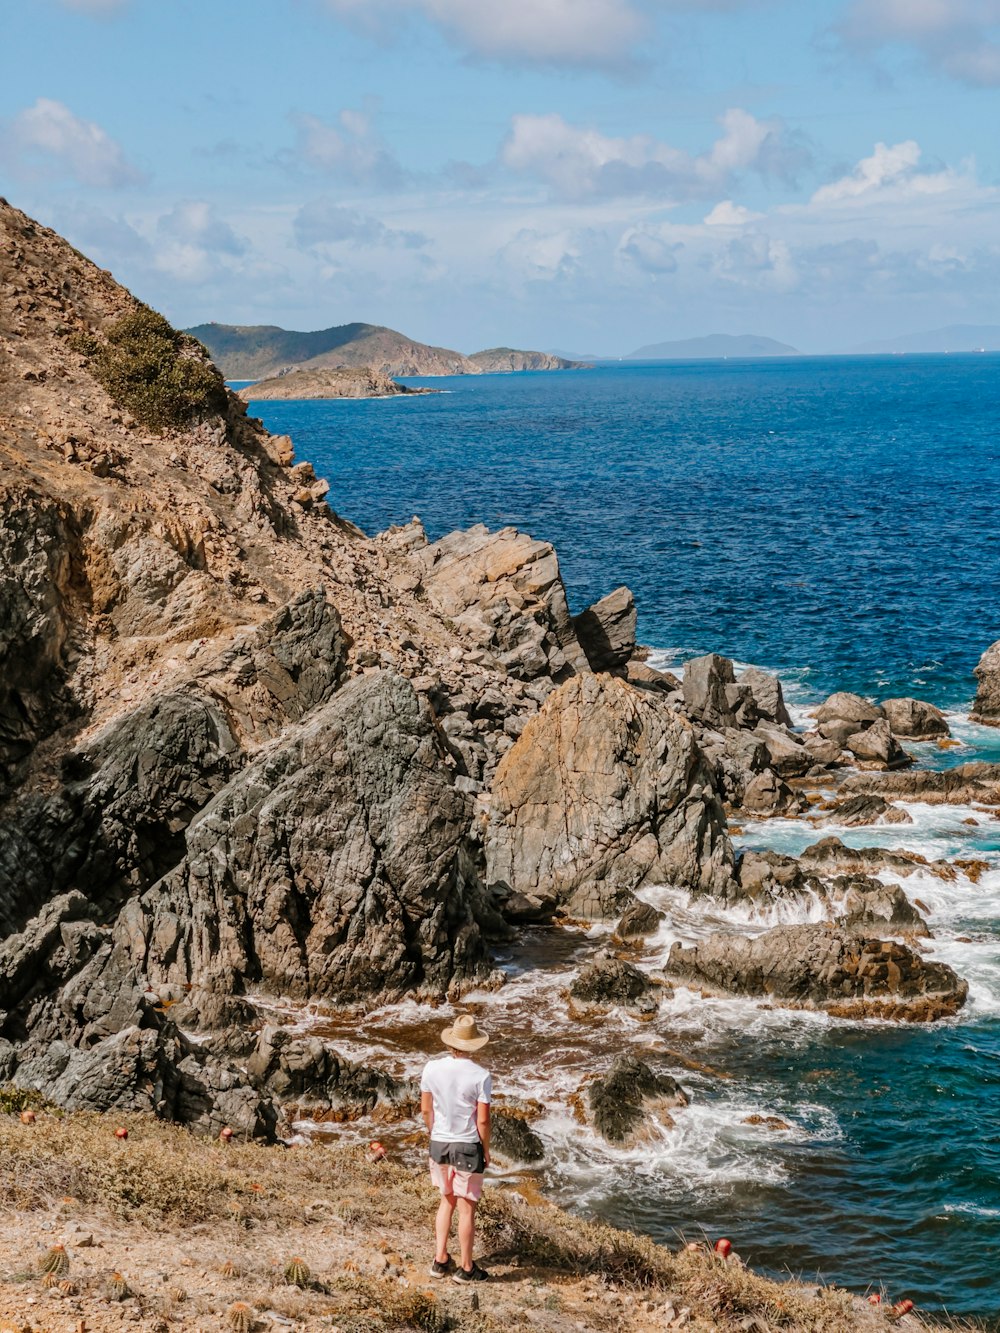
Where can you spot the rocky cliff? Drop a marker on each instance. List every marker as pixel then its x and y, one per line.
pixel 249 754
pixel 503 360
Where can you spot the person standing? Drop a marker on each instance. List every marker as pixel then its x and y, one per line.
pixel 455 1095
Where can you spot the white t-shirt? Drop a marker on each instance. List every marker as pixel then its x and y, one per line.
pixel 456 1085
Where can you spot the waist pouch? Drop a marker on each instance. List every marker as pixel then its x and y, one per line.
pixel 468 1157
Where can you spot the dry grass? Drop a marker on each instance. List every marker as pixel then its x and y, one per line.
pixel 235 1214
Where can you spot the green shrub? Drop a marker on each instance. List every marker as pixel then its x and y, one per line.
pixel 153 371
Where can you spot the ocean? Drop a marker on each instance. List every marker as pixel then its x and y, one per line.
pixel 834 519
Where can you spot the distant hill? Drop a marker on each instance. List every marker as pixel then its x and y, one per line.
pixel 712 347
pixel 261 351
pixel 953 338
pixel 497 359
pixel 257 351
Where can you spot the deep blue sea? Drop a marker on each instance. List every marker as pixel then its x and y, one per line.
pixel 836 520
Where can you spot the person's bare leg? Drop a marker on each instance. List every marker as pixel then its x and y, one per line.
pixel 466 1231
pixel 442 1226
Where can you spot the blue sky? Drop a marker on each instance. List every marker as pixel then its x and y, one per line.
pixel 584 174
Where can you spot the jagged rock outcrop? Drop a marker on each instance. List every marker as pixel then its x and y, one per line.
pixel 815 967
pixel 336 864
pixel 328 382
pixel 606 630
pixel 707 682
pixel 768 695
pixel 831 857
pixel 860 811
pixel 986 707
pixel 868 905
pixel 639 920
pixel 608 983
pixel 844 714
pixel 631 1104
pixel 965 784
pixel 605 790
pixel 505 590
pixel 513 1139
pixel 914 719
pixel 877 747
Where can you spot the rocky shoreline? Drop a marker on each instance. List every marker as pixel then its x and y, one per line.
pixel 247 751
pixel 330 382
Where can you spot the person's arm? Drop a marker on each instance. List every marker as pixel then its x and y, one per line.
pixel 483 1126
pixel 427 1109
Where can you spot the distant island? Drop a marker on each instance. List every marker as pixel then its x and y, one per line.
pixel 498 360
pixel 713 347
pixel 332 382
pixel 261 351
pixel 952 338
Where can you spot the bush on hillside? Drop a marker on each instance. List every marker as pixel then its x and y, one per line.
pixel 154 372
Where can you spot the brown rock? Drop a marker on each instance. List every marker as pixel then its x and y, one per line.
pixel 876 747
pixel 606 630
pixel 605 790
pixel 914 719
pixel 986 707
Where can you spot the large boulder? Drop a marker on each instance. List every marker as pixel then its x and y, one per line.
pixel 638 921
pixel 767 695
pixel 818 967
pixel 869 906
pixel 974 783
pixel 844 714
pixel 862 810
pixel 610 983
pixel 914 719
pixel 788 756
pixel 513 1139
pixel 877 747
pixel 631 1104
pixel 606 630
pixel 706 682
pixel 505 591
pixel 336 864
pixel 605 790
pixel 986 707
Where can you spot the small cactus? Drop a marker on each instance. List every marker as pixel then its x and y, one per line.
pixel 229 1269
pixel 50 1280
pixel 239 1317
pixel 297 1272
pixel 56 1262
pixel 118 1289
pixel 67 1287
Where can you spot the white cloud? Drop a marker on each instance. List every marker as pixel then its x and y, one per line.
pixel 49 136
pixel 959 37
pixel 890 169
pixel 595 33
pixel 727 214
pixel 322 223
pixel 194 223
pixel 580 163
pixel 351 150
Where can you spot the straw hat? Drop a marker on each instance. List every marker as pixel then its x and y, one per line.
pixel 464 1035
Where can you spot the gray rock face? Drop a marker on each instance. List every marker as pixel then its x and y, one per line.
pixel 706 682
pixel 37 625
pixel 514 1140
pixel 637 921
pixel 770 877
pixel 870 906
pixel 986 707
pixel 965 784
pixel 767 695
pixel 843 715
pixel 605 790
pixel 609 982
pixel 813 967
pixel 335 864
pixel 505 589
pixel 768 794
pixel 788 756
pixel 623 1103
pixel 606 630
pixel 860 811
pixel 914 719
pixel 877 747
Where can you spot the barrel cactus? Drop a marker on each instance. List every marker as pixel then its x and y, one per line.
pixel 239 1317
pixel 55 1262
pixel 118 1289
pixel 297 1273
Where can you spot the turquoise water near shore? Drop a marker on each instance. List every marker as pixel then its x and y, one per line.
pixel 836 520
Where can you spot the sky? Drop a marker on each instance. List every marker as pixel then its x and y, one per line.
pixel 589 175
